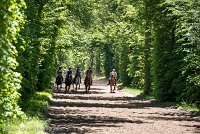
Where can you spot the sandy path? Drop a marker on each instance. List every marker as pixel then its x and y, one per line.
pixel 101 112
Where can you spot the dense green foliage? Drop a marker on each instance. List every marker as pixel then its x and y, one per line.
pixel 152 44
pixel 36 107
pixel 11 19
pixel 176 51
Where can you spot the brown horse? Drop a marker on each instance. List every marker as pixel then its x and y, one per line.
pixel 68 82
pixel 88 82
pixel 77 81
pixel 112 83
pixel 59 81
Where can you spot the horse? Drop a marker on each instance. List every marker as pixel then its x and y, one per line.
pixel 88 82
pixel 112 83
pixel 59 81
pixel 68 82
pixel 77 81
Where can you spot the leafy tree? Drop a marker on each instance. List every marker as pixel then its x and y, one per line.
pixel 171 49
pixel 11 19
pixel 186 33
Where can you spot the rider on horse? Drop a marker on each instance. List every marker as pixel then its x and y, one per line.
pixel 113 73
pixel 78 74
pixel 68 79
pixel 89 72
pixel 59 77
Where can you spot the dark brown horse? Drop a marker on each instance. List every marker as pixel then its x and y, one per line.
pixel 68 82
pixel 112 83
pixel 88 82
pixel 59 81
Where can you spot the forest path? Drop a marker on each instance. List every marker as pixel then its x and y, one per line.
pixel 101 112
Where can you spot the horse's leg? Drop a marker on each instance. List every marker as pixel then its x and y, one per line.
pixel 60 87
pixel 66 88
pixel 110 88
pixel 88 88
pixel 79 85
pixel 85 87
pixel 69 87
pixel 114 88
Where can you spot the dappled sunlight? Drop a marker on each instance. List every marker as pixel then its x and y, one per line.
pixel 102 112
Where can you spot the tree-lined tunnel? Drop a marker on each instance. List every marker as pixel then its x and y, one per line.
pixel 152 44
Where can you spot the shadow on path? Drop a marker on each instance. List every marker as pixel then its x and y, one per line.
pixel 78 112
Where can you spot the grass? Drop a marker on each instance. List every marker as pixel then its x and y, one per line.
pixel 189 107
pixel 129 89
pixel 139 92
pixel 35 106
pixel 31 125
pixel 133 90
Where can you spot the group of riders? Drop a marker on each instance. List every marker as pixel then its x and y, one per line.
pixel 77 77
pixel 69 79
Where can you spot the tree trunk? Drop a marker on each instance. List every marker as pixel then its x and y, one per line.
pixel 147 63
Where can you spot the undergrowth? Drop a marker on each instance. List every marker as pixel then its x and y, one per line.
pixel 35 106
pixel 191 107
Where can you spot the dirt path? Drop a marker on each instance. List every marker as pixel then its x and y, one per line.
pixel 101 112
